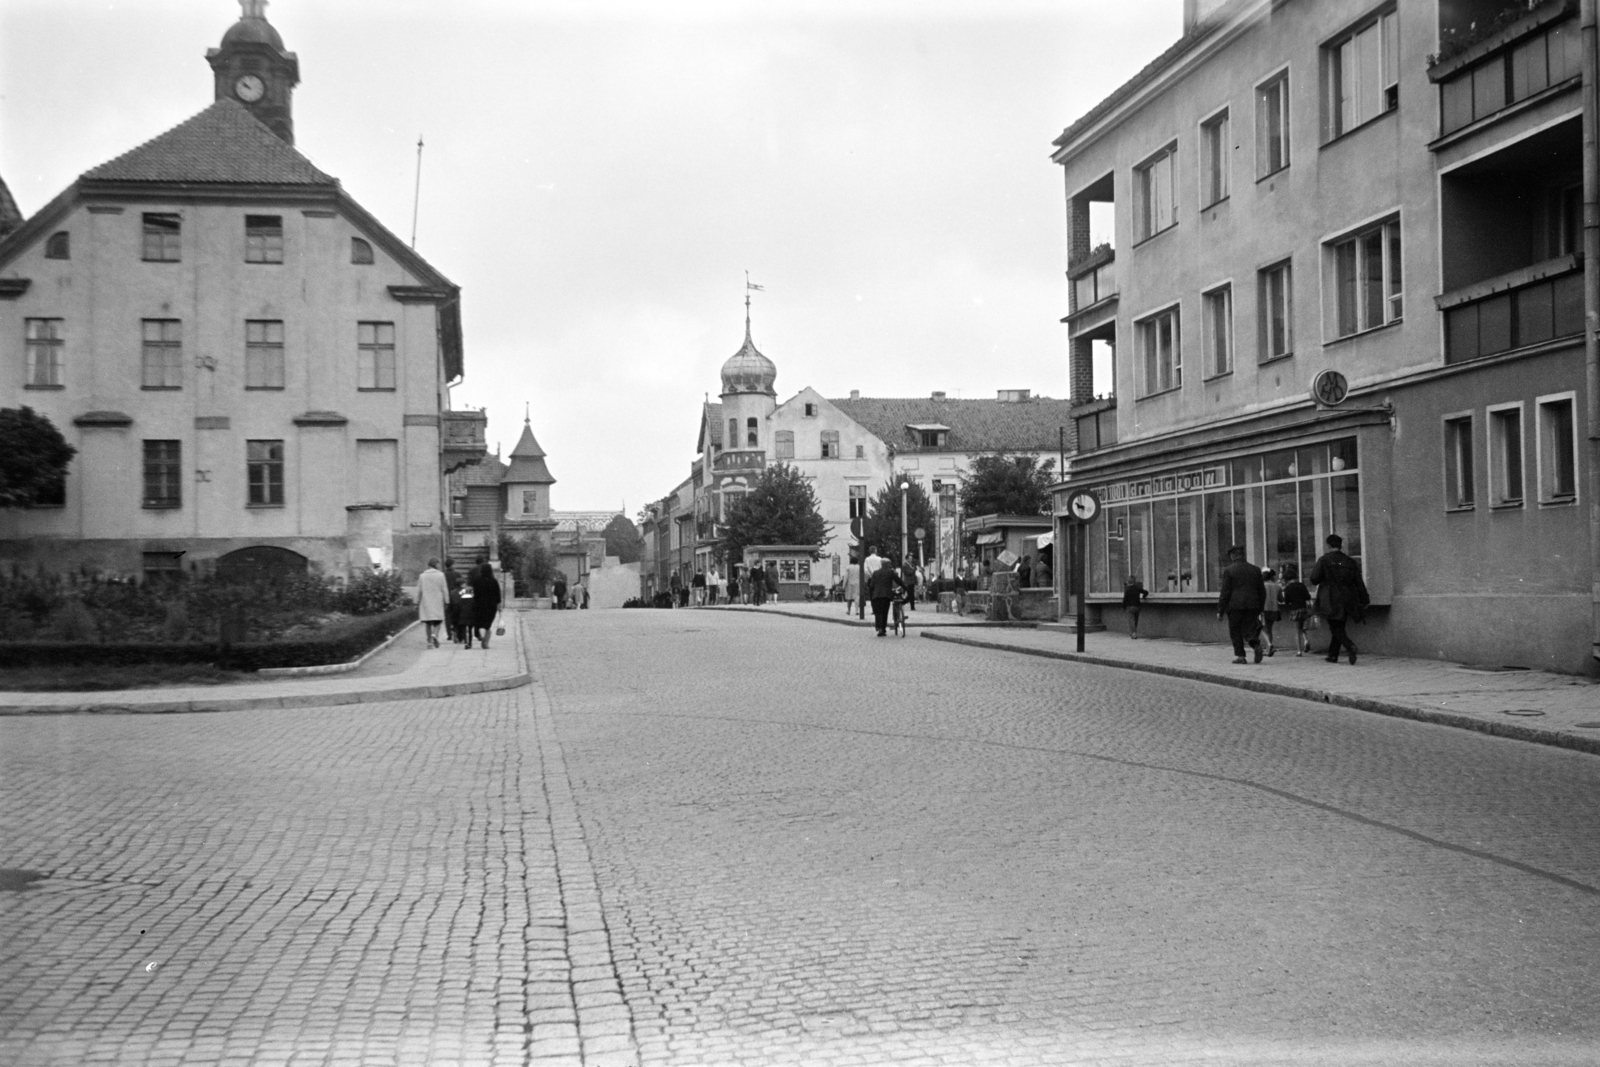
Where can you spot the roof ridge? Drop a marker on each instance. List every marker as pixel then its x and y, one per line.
pixel 223 142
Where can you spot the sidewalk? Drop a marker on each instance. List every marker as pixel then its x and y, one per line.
pixel 1549 709
pixel 925 616
pixel 433 672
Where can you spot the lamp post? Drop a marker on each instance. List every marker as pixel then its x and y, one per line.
pixel 905 547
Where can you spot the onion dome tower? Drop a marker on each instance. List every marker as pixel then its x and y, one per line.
pixel 252 67
pixel 748 396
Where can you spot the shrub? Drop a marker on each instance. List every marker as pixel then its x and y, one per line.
pixel 370 592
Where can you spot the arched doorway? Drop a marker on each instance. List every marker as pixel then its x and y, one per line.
pixel 260 563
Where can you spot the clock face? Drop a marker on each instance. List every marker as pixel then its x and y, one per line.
pixel 249 88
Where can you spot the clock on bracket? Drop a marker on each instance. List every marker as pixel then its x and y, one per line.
pixel 249 88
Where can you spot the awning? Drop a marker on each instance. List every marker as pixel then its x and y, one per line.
pixel 992 538
pixel 1046 540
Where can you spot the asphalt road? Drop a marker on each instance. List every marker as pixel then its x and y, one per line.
pixel 714 837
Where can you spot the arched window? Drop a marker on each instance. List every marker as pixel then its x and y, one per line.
pixel 360 250
pixel 752 436
pixel 58 245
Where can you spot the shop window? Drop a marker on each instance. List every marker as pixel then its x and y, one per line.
pixel 263 238
pixel 1159 355
pixel 1361 75
pixel 1558 449
pixel 1275 303
pixel 1272 125
pixel 783 445
pixel 1215 153
pixel 1366 278
pixel 1156 199
pixel 1458 469
pixel 1505 455
pixel 1217 327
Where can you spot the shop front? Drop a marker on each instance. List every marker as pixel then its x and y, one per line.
pixel 794 565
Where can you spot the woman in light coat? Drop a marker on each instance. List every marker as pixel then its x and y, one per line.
pixel 433 594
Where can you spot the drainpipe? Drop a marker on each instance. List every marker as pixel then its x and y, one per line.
pixel 1591 307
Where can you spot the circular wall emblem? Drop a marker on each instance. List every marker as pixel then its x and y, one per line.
pixel 1329 388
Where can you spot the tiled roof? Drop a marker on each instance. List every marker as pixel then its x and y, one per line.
pixel 487 471
pixel 712 414
pixel 223 143
pixel 527 461
pixel 1031 425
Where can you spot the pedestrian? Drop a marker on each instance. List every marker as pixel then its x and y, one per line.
pixel 1133 594
pixel 1242 597
pixel 698 583
pixel 908 581
pixel 433 597
pixel 881 584
pixel 559 600
pixel 1271 612
pixel 873 560
pixel 452 608
pixel 1341 596
pixel 714 585
pixel 1024 570
pixel 852 587
pixel 733 583
pixel 1041 574
pixel 675 587
pixel 585 587
pixel 485 602
pixel 1296 599
pixel 772 580
pixel 758 585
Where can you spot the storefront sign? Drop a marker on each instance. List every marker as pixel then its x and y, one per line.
pixel 1166 484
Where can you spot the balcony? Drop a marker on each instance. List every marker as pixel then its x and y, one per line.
pixel 1521 309
pixel 1093 280
pixel 745 459
pixel 1515 61
pixel 462 438
pixel 1096 421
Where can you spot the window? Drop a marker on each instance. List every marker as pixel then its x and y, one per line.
pixel 375 355
pixel 1275 299
pixel 44 344
pixel 1214 152
pixel 733 433
pixel 1155 196
pixel 263 238
pixel 163 354
pixel 1158 352
pixel 530 501
pixel 1366 279
pixel 263 354
pixel 830 444
pixel 162 465
pixel 1272 125
pixel 162 566
pixel 360 251
pixel 811 411
pixel 58 246
pixel 861 451
pixel 1217 306
pixel 1458 483
pixel 161 237
pixel 1361 76
pixel 858 501
pixel 783 445
pixel 932 438
pixel 1558 449
pixel 752 433
pixel 264 471
pixel 1505 456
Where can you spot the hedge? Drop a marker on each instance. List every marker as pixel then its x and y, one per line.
pixel 339 643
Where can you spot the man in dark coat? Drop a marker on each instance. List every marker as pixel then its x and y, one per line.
pixel 485 602
pixel 558 598
pixel 1341 595
pixel 880 590
pixel 1243 596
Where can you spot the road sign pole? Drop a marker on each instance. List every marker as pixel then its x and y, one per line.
pixel 1081 574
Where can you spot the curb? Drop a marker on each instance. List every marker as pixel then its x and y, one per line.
pixel 295 700
pixel 851 620
pixel 1512 731
pixel 339 668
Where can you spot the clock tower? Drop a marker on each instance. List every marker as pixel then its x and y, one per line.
pixel 252 68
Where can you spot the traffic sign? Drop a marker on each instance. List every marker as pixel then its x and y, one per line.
pixel 1083 505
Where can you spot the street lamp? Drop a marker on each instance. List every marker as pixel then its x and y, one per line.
pixel 905 547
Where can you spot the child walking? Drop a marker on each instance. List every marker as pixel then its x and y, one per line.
pixel 1296 599
pixel 1271 612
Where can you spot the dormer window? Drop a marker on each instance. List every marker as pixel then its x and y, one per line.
pixel 930 434
pixel 360 251
pixel 58 246
pixel 263 238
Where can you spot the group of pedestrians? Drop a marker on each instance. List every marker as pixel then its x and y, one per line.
pixel 887 581
pixel 466 605
pixel 1253 600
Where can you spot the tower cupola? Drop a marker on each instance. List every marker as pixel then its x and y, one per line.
pixel 748 371
pixel 252 68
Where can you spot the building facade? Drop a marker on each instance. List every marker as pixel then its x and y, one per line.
pixel 1338 276
pixel 492 497
pixel 252 368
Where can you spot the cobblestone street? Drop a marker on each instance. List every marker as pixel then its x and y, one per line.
pixel 733 838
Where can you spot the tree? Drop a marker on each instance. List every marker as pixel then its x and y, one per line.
pixel 1008 485
pixel 33 459
pixel 780 509
pixel 623 540
pixel 882 527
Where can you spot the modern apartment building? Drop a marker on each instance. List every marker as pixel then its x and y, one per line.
pixel 1331 252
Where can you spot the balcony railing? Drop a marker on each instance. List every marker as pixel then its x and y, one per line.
pixel 1522 61
pixel 1527 307
pixel 462 438
pixel 740 460
pixel 1097 424
pixel 1093 280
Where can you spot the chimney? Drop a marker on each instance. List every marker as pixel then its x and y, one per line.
pixel 938 394
pixel 855 394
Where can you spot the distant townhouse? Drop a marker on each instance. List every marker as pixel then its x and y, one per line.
pixel 255 372
pixel 1333 255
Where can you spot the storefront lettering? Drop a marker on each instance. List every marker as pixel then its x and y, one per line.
pixel 1165 485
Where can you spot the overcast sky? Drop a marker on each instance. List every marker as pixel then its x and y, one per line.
pixel 598 177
